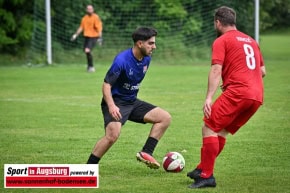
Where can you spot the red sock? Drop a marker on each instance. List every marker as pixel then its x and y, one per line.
pixel 199 166
pixel 222 142
pixel 210 151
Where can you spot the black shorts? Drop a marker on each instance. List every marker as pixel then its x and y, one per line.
pixel 132 111
pixel 90 42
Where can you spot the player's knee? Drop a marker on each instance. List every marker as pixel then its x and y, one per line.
pixel 87 50
pixel 112 134
pixel 112 138
pixel 223 133
pixel 166 118
pixel 206 132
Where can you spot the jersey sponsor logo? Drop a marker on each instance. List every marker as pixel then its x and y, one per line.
pixel 241 39
pixel 128 86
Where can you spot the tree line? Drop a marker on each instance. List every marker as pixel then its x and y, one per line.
pixel 17 17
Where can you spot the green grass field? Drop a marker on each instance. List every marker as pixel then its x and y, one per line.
pixel 52 115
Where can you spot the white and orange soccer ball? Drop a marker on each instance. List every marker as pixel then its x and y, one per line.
pixel 173 162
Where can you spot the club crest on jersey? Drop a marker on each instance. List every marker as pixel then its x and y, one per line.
pixel 145 69
pixel 131 72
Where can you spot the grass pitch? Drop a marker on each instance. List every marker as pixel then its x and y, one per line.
pixel 52 115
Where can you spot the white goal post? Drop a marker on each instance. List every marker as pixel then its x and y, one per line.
pixel 48 32
pixel 257 20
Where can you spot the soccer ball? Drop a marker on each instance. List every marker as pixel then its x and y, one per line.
pixel 173 162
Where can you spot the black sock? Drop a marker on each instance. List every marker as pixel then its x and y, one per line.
pixel 90 59
pixel 93 159
pixel 150 145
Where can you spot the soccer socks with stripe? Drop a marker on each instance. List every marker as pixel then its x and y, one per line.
pixel 93 159
pixel 150 145
pixel 210 151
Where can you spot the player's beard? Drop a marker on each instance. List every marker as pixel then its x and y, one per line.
pixel 218 33
pixel 144 53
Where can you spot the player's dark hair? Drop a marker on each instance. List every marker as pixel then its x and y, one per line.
pixel 143 33
pixel 226 15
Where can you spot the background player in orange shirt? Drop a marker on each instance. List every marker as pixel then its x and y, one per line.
pixel 91 25
pixel 236 58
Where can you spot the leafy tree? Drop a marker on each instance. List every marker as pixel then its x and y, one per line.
pixel 275 14
pixel 16 24
pixel 187 17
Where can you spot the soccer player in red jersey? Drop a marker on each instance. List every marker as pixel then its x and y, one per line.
pixel 236 58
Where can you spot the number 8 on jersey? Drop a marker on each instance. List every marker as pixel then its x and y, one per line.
pixel 250 56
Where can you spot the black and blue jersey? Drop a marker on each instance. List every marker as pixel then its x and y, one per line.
pixel 126 75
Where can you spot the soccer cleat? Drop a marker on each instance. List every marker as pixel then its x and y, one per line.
pixel 91 69
pixel 148 160
pixel 203 183
pixel 194 174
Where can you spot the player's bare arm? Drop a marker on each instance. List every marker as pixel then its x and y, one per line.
pixel 113 109
pixel 213 82
pixel 80 29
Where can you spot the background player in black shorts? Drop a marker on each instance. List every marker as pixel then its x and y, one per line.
pixel 120 102
pixel 91 24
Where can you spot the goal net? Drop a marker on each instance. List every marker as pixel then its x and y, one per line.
pixel 185 28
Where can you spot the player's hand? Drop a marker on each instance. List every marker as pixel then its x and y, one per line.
pixel 115 112
pixel 207 108
pixel 100 41
pixel 74 37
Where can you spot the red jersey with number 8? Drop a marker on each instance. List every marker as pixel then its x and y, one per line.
pixel 241 60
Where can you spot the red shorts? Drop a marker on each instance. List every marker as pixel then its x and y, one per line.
pixel 230 113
